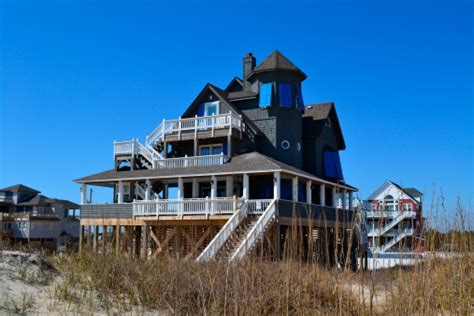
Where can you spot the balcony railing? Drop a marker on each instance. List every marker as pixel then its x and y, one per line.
pixel 192 161
pixel 205 206
pixel 196 124
pixel 133 147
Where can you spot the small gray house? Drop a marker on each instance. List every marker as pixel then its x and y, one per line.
pixel 27 217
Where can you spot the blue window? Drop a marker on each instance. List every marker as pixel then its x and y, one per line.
pixel 216 150
pixel 285 95
pixel 332 165
pixel 205 151
pixel 299 98
pixel 265 95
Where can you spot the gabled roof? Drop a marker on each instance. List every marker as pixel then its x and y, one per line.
pixel 315 116
pixel 413 192
pixel 19 188
pixel 253 162
pixel 222 96
pixel 236 82
pixel 387 183
pixel 277 62
pixel 37 200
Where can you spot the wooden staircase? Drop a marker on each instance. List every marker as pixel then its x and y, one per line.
pixel 237 237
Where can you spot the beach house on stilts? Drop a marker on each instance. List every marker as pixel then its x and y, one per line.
pixel 242 169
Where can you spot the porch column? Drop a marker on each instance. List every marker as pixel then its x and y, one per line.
pixel 84 193
pixel 334 197
pixel 245 184
pixel 120 192
pixel 229 186
pixel 148 190
pixel 351 203
pixel 195 188
pixel 213 187
pixel 196 147
pixel 180 188
pixel 322 194
pixel 309 196
pixel 294 182
pixel 229 144
pixel 276 185
pixel 344 194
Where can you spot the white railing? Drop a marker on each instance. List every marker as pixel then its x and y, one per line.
pixel 207 206
pixel 258 206
pixel 124 148
pixel 397 219
pixel 196 123
pixel 192 161
pixel 257 232
pixel 134 147
pixel 398 238
pixel 387 214
pixel 224 234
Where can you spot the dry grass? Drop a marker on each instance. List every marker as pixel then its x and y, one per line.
pixel 442 283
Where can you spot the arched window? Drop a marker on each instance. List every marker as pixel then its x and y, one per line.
pixel 389 203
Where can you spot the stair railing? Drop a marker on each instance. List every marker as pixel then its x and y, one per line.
pixel 395 240
pixel 397 219
pixel 224 234
pixel 257 232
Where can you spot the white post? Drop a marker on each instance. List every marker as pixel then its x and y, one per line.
pixel 276 185
pixel 322 194
pixel 120 192
pixel 334 197
pixel 229 186
pixel 195 188
pixel 84 194
pixel 180 188
pixel 351 203
pixel 186 160
pixel 295 188
pixel 148 190
pixel 213 187
pixel 245 184
pixel 344 195
pixel 309 197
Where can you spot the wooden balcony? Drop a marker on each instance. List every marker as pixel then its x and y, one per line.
pixel 197 127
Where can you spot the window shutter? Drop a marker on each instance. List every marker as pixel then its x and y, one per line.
pixel 285 95
pixel 301 192
pixel 224 148
pixel 265 95
pixel 338 166
pixel 332 165
pixel 200 110
pixel 299 98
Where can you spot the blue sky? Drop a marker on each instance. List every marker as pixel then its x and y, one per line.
pixel 75 76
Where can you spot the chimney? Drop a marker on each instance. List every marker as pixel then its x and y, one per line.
pixel 249 65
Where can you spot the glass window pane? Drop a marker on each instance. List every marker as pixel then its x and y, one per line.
pixel 205 151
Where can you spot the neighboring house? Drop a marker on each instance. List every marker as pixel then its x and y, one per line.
pixel 395 222
pixel 34 219
pixel 254 149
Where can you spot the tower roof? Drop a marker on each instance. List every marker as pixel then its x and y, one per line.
pixel 277 62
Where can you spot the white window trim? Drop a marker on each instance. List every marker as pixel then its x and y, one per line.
pixel 208 104
pixel 210 148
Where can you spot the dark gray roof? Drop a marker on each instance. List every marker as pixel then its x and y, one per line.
pixel 319 111
pixel 251 162
pixel 413 192
pixel 314 117
pixel 19 188
pixel 277 62
pixel 241 95
pixel 236 81
pixel 37 200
